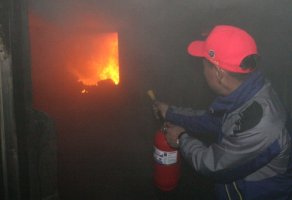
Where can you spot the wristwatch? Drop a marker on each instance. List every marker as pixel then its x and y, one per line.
pixel 178 139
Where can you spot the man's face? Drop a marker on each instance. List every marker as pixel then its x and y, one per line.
pixel 211 75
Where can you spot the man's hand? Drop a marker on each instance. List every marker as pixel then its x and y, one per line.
pixel 172 134
pixel 161 108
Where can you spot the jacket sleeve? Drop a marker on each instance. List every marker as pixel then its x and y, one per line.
pixel 232 158
pixel 193 120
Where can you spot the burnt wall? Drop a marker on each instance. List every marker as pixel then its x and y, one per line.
pixel 105 139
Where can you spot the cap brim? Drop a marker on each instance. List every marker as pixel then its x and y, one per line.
pixel 196 48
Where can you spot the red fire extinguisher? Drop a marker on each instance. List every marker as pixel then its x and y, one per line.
pixel 166 165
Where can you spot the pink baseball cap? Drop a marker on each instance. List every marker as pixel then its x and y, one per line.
pixel 226 46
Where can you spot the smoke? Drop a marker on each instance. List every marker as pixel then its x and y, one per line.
pixel 154 34
pixel 78 15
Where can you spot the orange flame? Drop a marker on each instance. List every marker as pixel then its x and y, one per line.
pixel 102 63
pixel 84 91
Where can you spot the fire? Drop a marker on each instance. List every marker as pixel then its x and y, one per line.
pixel 84 91
pixel 101 61
pixel 111 71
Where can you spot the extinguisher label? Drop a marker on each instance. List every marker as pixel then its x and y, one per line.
pixel 165 157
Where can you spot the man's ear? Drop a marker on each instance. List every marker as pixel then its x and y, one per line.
pixel 219 73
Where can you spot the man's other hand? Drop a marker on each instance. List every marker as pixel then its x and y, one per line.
pixel 161 108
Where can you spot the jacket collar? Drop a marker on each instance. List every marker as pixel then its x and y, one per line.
pixel 238 97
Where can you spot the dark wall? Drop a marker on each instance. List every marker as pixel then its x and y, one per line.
pixel 162 31
pixel 105 139
pixel 16 100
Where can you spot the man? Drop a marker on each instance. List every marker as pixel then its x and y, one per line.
pixel 251 158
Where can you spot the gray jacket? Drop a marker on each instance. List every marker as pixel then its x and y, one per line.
pixel 252 156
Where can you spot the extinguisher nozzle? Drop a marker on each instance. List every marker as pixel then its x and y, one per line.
pixel 151 95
